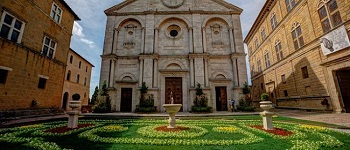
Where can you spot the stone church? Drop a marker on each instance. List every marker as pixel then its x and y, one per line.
pixel 172 45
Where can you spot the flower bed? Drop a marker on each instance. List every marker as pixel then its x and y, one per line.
pixel 227 134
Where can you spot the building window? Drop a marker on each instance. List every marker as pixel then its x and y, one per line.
pixel 250 50
pixel 267 60
pixel 278 48
pixel 256 42
pixel 263 35
pixel 283 78
pixel 274 22
pixel 3 76
pixel 285 93
pixel 79 64
pixel 42 83
pixel 329 15
pixel 85 81
pixel 68 75
pixel 56 13
pixel 49 47
pixel 297 36
pixel 78 76
pixel 71 59
pixel 11 28
pixel 262 86
pixel 290 4
pixel 259 66
pixel 86 68
pixel 304 72
pixel 252 70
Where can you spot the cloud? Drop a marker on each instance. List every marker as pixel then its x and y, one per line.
pixel 78 32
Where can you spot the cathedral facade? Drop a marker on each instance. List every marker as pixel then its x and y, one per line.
pixel 172 45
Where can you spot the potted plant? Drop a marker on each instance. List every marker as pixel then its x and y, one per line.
pixel 75 103
pixel 265 104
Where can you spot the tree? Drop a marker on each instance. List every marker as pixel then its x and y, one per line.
pixel 246 89
pixel 104 91
pixel 94 96
pixel 199 90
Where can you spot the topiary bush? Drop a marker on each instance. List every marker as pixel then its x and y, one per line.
pixel 200 103
pixel 264 97
pixel 76 97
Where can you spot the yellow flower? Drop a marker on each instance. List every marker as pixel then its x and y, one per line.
pixel 32 126
pixel 312 127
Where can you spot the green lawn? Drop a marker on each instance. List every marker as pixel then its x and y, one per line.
pixel 228 132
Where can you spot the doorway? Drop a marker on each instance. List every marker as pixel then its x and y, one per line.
pixel 126 100
pixel 65 100
pixel 344 84
pixel 221 98
pixel 174 85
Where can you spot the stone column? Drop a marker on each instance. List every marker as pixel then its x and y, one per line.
pixel 206 58
pixel 111 77
pixel 204 40
pixel 143 40
pixel 190 30
pixel 192 72
pixel 232 40
pixel 235 71
pixel 156 36
pixel 141 72
pixel 155 73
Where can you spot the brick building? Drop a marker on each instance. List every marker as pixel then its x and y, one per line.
pixel 34 45
pixel 299 53
pixel 77 79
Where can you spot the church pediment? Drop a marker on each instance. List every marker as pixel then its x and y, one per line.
pixel 166 6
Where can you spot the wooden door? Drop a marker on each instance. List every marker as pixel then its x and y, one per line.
pixel 221 99
pixel 126 100
pixel 174 85
pixel 344 84
pixel 65 100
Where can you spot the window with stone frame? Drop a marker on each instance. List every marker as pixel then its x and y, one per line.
pixel 267 59
pixel 329 14
pixel 252 70
pixel 297 36
pixel 42 83
pixel 71 59
pixel 3 76
pixel 68 75
pixel 263 34
pixel 11 28
pixel 256 42
pixel 290 4
pixel 78 77
pixel 56 13
pixel 283 78
pixel 250 50
pixel 278 48
pixel 274 22
pixel 49 47
pixel 259 65
pixel 305 72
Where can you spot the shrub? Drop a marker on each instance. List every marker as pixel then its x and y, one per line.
pixel 146 104
pixel 264 97
pixel 201 101
pixel 245 105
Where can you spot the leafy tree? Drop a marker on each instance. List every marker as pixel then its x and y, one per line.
pixel 104 91
pixel 246 89
pixel 146 104
pixel 201 101
pixel 94 96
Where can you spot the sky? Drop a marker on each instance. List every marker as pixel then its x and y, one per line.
pixel 88 33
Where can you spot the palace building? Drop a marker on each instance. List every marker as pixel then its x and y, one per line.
pixel 34 46
pixel 299 53
pixel 172 45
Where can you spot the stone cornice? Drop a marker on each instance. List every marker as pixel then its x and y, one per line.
pixel 111 11
pixel 173 12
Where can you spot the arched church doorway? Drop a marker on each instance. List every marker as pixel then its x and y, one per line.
pixel 65 100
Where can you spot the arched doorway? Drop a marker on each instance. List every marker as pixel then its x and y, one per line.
pixel 65 100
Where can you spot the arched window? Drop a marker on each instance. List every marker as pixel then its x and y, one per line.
pixel 290 4
pixel 68 75
pixel 329 14
pixel 263 34
pixel 78 76
pixel 267 59
pixel 79 64
pixel 297 35
pixel 274 22
pixel 71 59
pixel 256 42
pixel 85 81
pixel 278 48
